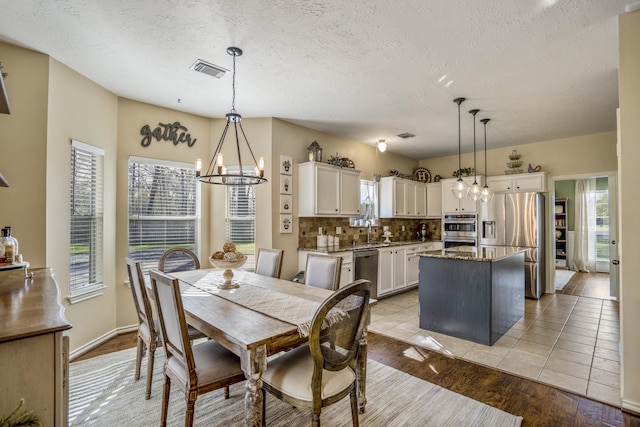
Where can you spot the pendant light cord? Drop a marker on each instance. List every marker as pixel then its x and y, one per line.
pixel 484 122
pixel 233 86
pixel 475 173
pixel 459 142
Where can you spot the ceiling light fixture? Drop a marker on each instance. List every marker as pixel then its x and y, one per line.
pixel 217 172
pixel 487 194
pixel 475 190
pixel 460 189
pixel 382 146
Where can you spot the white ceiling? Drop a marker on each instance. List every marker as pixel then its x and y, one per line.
pixel 366 70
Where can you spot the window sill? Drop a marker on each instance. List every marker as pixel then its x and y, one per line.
pixel 86 294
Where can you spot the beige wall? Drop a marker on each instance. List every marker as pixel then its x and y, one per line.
pixel 292 140
pixel 131 117
pixel 569 156
pixel 23 150
pixel 80 109
pixel 629 201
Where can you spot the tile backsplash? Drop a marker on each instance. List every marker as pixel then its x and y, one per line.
pixel 308 230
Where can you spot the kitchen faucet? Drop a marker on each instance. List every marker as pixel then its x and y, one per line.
pixel 369 231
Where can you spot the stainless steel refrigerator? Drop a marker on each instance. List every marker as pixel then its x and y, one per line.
pixel 517 219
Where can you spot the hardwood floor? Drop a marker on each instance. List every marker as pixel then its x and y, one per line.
pixel 593 285
pixel 538 404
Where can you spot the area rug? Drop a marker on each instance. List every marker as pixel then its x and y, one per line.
pixel 562 277
pixel 102 392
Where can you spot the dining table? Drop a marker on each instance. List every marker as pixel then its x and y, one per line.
pixel 260 318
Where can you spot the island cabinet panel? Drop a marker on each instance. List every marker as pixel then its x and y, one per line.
pixel 470 299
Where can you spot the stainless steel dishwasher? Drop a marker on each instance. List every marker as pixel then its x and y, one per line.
pixel 366 267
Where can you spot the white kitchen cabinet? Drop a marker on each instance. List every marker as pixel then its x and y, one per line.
pixel 434 200
pixel 420 210
pixel 346 272
pixel 349 192
pixel 413 263
pixel 451 204
pixel 391 269
pixel 385 271
pixel 325 190
pixel 402 198
pixel 519 182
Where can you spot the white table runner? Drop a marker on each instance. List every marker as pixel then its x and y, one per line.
pixel 288 308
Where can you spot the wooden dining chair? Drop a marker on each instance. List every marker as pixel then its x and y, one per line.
pixel 178 259
pixel 269 262
pixel 148 327
pixel 321 373
pixel 196 369
pixel 322 271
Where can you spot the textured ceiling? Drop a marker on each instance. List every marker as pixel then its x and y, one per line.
pixel 366 70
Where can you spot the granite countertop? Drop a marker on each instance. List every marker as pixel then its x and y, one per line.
pixel 372 245
pixel 472 253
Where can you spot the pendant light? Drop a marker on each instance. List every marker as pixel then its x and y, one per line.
pixel 382 145
pixel 460 189
pixel 475 190
pixel 487 194
pixel 217 173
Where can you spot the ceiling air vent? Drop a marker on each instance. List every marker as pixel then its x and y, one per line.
pixel 405 135
pixel 207 68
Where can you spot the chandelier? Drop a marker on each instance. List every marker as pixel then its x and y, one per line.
pixel 217 172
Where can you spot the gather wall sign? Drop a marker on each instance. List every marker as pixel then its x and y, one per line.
pixel 174 132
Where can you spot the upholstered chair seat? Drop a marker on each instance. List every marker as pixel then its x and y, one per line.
pixel 292 373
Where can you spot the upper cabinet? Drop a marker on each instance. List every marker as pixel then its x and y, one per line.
pixel 402 198
pixel 325 190
pixel 451 204
pixel 536 181
pixel 434 200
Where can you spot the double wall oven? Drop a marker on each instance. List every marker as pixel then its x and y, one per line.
pixel 459 230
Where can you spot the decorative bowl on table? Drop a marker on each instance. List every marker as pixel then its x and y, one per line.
pixel 227 266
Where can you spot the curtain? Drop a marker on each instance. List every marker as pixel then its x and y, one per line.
pixel 584 254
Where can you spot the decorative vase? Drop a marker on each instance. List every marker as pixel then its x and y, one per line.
pixel 228 273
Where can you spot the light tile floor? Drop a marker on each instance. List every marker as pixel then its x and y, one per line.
pixel 568 341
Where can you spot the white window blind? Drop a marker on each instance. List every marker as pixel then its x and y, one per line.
pixel 86 228
pixel 241 218
pixel 164 209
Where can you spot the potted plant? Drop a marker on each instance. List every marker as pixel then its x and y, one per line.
pixel 463 172
pixel 20 419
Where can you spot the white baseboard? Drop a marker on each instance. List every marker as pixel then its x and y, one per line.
pixel 100 340
pixel 631 406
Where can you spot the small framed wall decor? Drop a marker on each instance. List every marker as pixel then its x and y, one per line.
pixel 286 165
pixel 285 203
pixel 286 183
pixel 286 224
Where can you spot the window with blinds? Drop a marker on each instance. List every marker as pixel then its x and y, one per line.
pixel 164 209
pixel 241 218
pixel 86 228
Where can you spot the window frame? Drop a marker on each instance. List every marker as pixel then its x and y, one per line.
pixel 95 270
pixel 229 219
pixel 196 217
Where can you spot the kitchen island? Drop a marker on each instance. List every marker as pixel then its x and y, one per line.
pixel 473 293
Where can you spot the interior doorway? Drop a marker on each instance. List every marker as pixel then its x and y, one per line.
pixel 591 225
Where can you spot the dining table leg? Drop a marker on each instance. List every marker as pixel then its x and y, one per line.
pixel 254 363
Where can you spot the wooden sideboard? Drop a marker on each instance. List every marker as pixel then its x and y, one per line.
pixel 34 346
